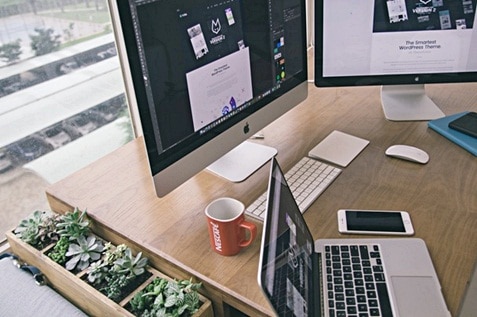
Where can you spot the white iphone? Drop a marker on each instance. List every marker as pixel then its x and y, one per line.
pixel 375 222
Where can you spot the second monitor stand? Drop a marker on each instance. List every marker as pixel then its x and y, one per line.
pixel 242 161
pixel 408 103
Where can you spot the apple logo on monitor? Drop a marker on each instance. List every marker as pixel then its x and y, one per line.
pixel 246 128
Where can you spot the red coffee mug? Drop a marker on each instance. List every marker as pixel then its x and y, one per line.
pixel 227 226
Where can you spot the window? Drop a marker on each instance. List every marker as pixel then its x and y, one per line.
pixel 62 102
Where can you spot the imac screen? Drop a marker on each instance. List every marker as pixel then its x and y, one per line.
pixel 199 68
pixel 395 42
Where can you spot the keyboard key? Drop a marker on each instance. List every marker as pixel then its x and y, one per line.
pixel 377 268
pixel 371 294
pixel 351 310
pixel 363 250
pixel 374 255
pixel 379 277
pixel 335 250
pixel 384 299
pixel 362 307
pixel 373 303
pixel 362 299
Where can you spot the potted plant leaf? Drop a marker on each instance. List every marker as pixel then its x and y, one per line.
pixel 163 297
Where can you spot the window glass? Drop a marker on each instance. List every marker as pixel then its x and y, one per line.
pixel 62 102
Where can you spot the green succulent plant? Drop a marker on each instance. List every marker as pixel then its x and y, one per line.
pixel 38 229
pixel 99 270
pixel 130 265
pixel 47 230
pixel 58 253
pixel 29 228
pixel 167 298
pixel 115 284
pixel 83 252
pixel 112 253
pixel 73 225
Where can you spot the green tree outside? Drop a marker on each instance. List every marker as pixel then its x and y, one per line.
pixel 10 52
pixel 44 41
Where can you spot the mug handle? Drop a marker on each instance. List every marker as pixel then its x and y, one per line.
pixel 253 232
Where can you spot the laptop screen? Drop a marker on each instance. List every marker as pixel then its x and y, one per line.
pixel 286 262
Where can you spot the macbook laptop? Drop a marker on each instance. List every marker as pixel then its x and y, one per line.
pixel 341 277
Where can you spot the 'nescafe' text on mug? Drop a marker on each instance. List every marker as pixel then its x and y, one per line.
pixel 218 243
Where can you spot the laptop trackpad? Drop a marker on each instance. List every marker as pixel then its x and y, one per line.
pixel 417 296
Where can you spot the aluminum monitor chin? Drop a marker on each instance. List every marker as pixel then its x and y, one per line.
pixel 399 44
pixel 206 75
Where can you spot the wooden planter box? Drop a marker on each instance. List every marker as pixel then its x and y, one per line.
pixel 78 291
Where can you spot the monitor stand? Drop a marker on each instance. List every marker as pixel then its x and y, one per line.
pixel 242 161
pixel 408 103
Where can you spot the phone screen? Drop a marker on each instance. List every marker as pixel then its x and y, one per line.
pixel 374 221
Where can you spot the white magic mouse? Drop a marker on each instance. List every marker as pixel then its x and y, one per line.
pixel 408 152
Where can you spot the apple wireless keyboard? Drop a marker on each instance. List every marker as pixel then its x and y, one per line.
pixel 307 179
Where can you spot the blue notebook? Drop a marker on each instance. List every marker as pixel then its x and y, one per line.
pixel 442 126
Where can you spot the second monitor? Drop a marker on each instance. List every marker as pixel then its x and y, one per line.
pixel 399 44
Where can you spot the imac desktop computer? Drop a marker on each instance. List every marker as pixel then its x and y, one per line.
pixel 206 75
pixel 398 44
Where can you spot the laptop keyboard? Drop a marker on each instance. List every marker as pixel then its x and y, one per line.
pixel 307 179
pixel 355 281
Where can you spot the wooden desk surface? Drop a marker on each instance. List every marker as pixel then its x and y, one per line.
pixel 441 196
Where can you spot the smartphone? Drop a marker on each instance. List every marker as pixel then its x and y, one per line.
pixel 466 124
pixel 381 222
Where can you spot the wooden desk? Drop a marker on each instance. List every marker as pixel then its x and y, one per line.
pixel 440 196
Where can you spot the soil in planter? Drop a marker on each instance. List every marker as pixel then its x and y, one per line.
pixel 44 244
pixel 131 286
pixel 40 245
